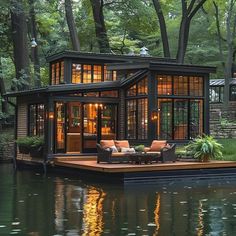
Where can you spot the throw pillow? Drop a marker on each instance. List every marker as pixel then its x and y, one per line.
pixel 107 143
pixel 114 149
pixel 121 144
pixel 157 145
pixel 127 150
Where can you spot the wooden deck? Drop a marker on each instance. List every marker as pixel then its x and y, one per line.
pixel 92 165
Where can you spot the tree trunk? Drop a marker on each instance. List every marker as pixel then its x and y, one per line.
pixel 188 13
pixel 100 28
pixel 71 26
pixel 183 39
pixel 34 50
pixel 19 37
pixel 162 23
pixel 3 91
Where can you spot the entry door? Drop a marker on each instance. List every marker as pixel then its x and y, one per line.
pixel 60 144
pixel 90 129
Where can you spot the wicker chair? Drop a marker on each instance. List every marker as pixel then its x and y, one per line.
pixel 168 153
pixel 105 155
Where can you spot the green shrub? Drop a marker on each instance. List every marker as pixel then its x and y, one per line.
pixel 205 148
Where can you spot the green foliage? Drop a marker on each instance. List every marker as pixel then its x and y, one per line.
pixel 229 149
pixel 205 147
pixel 30 141
pixel 139 148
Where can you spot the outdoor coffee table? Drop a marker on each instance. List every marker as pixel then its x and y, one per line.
pixel 139 157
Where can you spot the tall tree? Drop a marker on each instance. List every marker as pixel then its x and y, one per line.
pixel 71 25
pixel 230 32
pixel 19 38
pixel 100 28
pixel 188 12
pixel 34 48
pixel 162 23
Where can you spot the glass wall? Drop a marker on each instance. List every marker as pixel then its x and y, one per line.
pixel 57 73
pixel 87 73
pixel 137 111
pixel 36 120
pixel 180 102
pixel 216 94
pixel 108 121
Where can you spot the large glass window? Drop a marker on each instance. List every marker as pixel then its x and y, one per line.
pixel 131 119
pixel 108 121
pixel 233 93
pixel 142 115
pixel 179 118
pixel 164 85
pixel 164 126
pixel 97 73
pixel 57 72
pixel 141 88
pixel 137 110
pixel 195 86
pixel 76 73
pixel 216 94
pixel 87 74
pixel 180 85
pixel 196 118
pixel 36 119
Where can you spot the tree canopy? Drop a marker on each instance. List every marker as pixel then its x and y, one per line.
pixel 192 31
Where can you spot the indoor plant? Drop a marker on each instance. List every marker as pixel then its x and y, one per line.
pixel 205 148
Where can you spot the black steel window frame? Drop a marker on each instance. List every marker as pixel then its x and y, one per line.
pixel 220 91
pixel 172 77
pixel 37 119
pixel 232 94
pixel 82 64
pixel 61 78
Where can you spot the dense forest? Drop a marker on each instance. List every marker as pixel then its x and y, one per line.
pixel 192 31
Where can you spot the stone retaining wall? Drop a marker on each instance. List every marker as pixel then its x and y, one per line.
pixel 7 151
pixel 222 121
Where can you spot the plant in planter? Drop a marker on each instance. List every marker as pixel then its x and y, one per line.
pixel 24 144
pixel 205 148
pixel 36 148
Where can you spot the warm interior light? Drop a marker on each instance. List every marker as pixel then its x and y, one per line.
pixel 51 115
pixel 154 114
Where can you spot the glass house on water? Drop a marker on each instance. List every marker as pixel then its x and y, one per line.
pixel 103 96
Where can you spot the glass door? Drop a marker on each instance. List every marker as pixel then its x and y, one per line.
pixel 73 135
pixel 108 121
pixel 90 127
pixel 60 146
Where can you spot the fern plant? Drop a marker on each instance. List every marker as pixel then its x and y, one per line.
pixel 205 148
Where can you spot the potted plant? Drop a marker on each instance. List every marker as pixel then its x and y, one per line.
pixel 36 148
pixel 205 148
pixel 24 144
pixel 139 148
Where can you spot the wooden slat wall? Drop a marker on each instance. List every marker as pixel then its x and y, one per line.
pixel 22 119
pixel 22 122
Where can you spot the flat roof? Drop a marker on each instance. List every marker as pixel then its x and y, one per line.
pixel 221 82
pixel 105 56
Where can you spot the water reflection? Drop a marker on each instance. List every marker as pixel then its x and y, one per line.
pixel 32 204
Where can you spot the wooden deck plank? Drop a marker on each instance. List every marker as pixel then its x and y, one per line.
pixel 92 165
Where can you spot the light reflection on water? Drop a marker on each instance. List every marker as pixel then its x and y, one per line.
pixel 33 204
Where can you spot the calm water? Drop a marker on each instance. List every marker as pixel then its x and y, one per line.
pixel 33 204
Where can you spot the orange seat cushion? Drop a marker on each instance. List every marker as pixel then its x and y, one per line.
pixel 121 144
pixel 107 143
pixel 157 145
